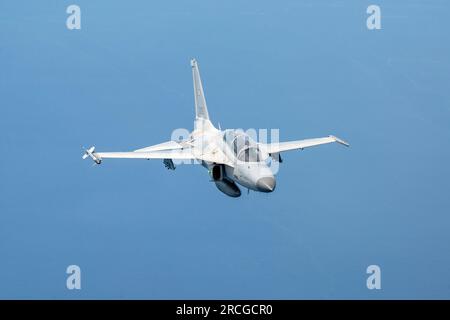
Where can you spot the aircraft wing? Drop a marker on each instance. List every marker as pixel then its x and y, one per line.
pixel 174 154
pixel 169 145
pixel 273 148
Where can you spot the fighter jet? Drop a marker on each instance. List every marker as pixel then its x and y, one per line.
pixel 231 156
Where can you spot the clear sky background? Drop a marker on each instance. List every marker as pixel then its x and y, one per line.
pixel 310 68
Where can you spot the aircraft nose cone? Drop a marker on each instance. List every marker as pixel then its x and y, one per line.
pixel 266 184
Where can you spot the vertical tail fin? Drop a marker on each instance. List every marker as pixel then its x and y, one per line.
pixel 201 111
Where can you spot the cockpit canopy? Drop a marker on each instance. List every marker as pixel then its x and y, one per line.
pixel 242 146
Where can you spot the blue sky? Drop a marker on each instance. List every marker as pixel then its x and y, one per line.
pixel 309 68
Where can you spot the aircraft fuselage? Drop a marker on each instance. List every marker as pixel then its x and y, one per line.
pixel 244 162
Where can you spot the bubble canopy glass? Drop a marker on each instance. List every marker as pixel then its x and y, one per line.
pixel 242 146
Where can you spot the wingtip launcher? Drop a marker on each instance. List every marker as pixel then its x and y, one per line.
pixel 91 154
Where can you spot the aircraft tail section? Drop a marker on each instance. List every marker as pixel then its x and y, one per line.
pixel 201 111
